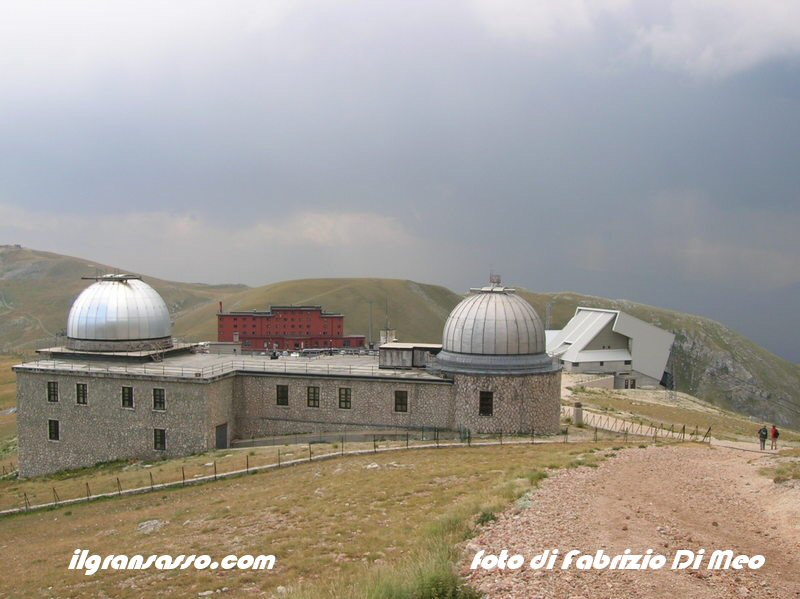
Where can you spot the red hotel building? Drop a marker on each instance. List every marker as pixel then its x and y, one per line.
pixel 285 327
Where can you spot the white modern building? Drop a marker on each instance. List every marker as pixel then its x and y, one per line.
pixel 597 341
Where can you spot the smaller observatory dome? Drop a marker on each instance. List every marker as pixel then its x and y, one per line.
pixel 118 313
pixel 494 331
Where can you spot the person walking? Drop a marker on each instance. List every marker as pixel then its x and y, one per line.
pixel 762 436
pixel 773 435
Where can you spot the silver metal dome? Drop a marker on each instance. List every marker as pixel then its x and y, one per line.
pixel 494 330
pixel 118 313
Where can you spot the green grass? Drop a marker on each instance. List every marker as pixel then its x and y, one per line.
pixel 723 424
pixel 783 472
pixel 418 311
pixel 8 399
pixel 346 531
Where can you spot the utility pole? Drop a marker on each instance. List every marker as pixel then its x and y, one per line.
pixel 370 324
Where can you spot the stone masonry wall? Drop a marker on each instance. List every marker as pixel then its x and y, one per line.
pixel 221 410
pixel 102 430
pixel 521 403
pixel 430 404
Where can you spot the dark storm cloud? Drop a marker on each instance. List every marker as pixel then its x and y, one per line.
pixel 639 150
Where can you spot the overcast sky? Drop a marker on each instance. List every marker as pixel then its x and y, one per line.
pixel 641 150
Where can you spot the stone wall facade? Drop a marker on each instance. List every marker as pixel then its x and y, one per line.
pixel 103 430
pixel 372 404
pixel 521 404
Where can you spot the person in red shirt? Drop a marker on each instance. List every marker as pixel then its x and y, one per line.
pixel 773 435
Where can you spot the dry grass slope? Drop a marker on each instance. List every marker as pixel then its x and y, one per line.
pixel 381 525
pixel 416 310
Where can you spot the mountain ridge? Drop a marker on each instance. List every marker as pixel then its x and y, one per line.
pixel 711 361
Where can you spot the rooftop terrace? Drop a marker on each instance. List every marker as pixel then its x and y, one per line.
pixel 211 366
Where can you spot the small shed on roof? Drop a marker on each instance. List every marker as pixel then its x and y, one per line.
pixel 406 355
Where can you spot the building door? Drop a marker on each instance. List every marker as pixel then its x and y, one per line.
pixel 222 436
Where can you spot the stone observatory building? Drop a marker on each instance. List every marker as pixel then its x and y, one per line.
pixel 120 387
pixel 493 348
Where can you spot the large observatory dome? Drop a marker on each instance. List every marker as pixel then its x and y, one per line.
pixel 494 331
pixel 118 313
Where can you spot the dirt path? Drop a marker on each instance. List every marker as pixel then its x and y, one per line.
pixel 660 498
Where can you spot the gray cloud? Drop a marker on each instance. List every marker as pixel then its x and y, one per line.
pixel 639 150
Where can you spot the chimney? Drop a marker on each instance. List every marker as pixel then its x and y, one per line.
pixel 220 306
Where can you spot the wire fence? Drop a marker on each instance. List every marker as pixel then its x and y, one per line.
pixel 640 429
pixel 121 479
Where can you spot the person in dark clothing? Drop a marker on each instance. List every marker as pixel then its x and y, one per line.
pixel 762 436
pixel 773 435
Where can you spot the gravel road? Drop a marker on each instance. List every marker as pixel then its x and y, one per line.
pixel 659 498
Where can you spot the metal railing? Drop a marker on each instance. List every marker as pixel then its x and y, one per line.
pixel 214 370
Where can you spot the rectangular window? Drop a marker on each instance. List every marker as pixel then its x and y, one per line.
pixel 159 400
pixel 52 391
pixel 282 394
pixel 52 430
pixel 159 439
pixel 127 397
pixel 345 398
pixel 313 397
pixel 401 401
pixel 486 403
pixel 602 363
pixel 627 362
pixel 81 393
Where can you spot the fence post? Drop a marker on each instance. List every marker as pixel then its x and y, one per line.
pixel 183 476
pixel 406 439
pixel 374 445
pixel 469 438
pixel 683 433
pixel 27 503
pixel 501 437
pixel 566 433
pixel 707 436
pixel 533 436
pixel 342 445
pixel 309 451
pixel 436 436
pixel 215 469
pixel 55 497
pixel 247 463
pixel 88 492
pixel 119 487
pixel 151 480
pixel 279 458
pixel 625 432
pixel 595 434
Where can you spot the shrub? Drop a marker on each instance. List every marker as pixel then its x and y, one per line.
pixel 485 517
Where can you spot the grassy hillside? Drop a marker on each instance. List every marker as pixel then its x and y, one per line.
pixel 342 528
pixel 711 361
pixel 37 289
pixel 416 310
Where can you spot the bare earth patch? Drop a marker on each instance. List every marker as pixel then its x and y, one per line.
pixel 660 498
